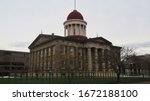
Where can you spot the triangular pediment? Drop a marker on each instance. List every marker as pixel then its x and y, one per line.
pixel 43 38
pixel 100 39
pixel 40 39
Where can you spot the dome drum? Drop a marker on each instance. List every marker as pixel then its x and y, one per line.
pixel 68 22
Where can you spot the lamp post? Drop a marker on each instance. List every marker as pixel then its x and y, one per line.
pixel 50 74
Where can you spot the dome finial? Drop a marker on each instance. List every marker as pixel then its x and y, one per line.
pixel 41 31
pixel 74 4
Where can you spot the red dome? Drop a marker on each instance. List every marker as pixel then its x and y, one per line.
pixel 75 15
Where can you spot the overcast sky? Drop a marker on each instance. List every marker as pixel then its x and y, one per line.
pixel 123 22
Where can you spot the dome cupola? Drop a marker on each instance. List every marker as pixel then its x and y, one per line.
pixel 75 15
pixel 75 26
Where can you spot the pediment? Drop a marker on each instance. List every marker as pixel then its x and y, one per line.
pixel 100 39
pixel 40 39
pixel 43 38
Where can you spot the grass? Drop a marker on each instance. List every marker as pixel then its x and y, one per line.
pixel 73 80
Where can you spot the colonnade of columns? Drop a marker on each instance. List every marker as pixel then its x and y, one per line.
pixel 75 29
pixel 90 59
pixel 96 59
pixel 42 60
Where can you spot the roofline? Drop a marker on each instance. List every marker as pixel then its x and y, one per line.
pixel 117 47
pixel 43 35
pixel 58 38
pixel 70 39
pixel 101 38
pixel 13 51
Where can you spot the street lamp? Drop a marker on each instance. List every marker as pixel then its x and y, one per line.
pixel 50 74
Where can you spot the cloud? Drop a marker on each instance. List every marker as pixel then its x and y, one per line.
pixel 140 48
pixel 19 44
pixel 142 51
pixel 139 45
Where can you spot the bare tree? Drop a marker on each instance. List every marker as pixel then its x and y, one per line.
pixel 126 53
pixel 118 57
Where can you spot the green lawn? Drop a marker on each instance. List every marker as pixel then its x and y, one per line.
pixel 81 80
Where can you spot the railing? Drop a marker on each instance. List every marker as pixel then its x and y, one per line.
pixel 68 78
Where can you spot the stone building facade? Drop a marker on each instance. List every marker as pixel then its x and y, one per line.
pixel 13 63
pixel 137 65
pixel 72 54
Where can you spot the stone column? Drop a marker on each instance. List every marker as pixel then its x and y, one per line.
pixel 68 30
pixel 31 61
pixel 84 30
pixel 76 57
pixel 65 30
pixel 96 60
pixel 89 60
pixel 71 29
pixel 50 57
pixel 76 29
pixel 81 33
pixel 39 64
pixel 30 58
pixel 66 57
pixel 80 30
pixel 103 60
pixel 43 59
pixel 36 59
pixel 46 56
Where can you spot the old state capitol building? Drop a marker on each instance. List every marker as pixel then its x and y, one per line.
pixel 72 54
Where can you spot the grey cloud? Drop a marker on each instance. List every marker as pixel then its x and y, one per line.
pixel 140 48
pixel 139 45
pixel 20 44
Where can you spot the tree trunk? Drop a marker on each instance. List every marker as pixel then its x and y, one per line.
pixel 143 75
pixel 118 77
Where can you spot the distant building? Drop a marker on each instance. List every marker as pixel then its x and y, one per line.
pixel 138 65
pixel 13 63
pixel 72 54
